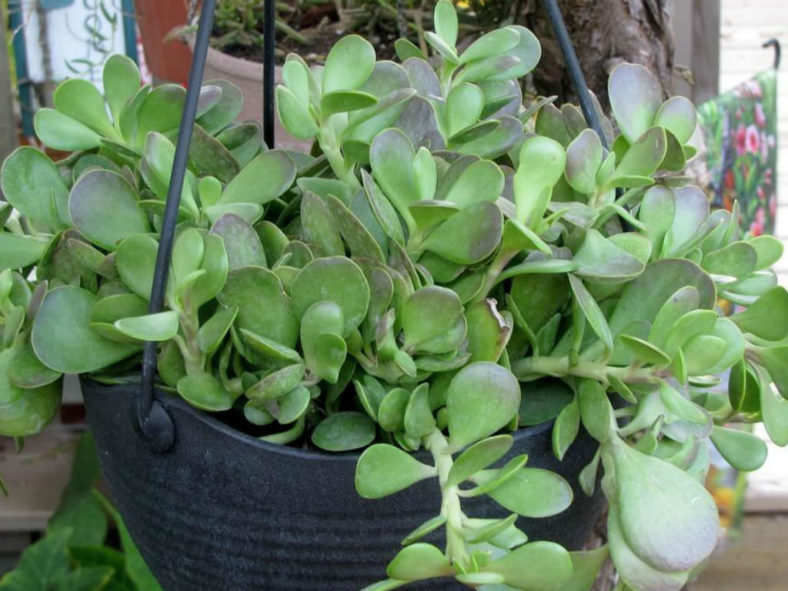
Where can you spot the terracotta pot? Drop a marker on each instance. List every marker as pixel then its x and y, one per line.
pixel 167 60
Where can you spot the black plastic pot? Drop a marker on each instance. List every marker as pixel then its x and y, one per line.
pixel 224 510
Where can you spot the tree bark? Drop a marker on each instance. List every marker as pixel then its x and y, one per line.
pixel 604 33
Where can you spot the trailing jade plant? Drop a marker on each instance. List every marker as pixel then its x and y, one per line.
pixel 446 266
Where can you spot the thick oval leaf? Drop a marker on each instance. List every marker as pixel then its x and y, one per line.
pixel 667 517
pixel 278 170
pixel 121 79
pixel 62 337
pixel 481 181
pixel 349 64
pixel 433 320
pixel 105 209
pixel 469 236
pixel 678 116
pixel 742 450
pixel 417 562
pixel 536 566
pixel 478 457
pixel 635 97
pixel 583 159
pixel 482 398
pixel 592 312
pixel 135 260
pixel 599 259
pixel 342 101
pixel 61 132
pixel 263 307
pixel 24 412
pixel 767 317
pixel 445 22
pixel 533 492
pixel 335 279
pixel 384 469
pixel 295 115
pixel 205 392
pixel 33 185
pixel 344 431
pixel 241 242
pixel 81 100
pixel 151 327
pixel 17 251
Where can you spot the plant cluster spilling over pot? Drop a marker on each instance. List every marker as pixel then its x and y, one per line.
pixel 445 267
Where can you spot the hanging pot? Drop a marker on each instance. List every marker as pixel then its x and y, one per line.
pixel 224 510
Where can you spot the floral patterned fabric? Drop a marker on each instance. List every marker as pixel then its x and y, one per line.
pixel 740 131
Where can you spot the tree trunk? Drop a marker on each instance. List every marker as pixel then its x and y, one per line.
pixel 604 33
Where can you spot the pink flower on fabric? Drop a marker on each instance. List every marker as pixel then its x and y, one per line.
pixel 760 116
pixel 752 139
pixel 741 140
pixel 764 146
pixel 761 194
pixel 773 206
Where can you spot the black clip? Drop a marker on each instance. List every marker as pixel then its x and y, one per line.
pixel 777 51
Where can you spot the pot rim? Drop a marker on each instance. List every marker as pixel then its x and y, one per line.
pixel 171 400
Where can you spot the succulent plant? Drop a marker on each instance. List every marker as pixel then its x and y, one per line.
pixel 446 266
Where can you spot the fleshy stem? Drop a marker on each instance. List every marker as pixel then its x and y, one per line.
pixel 438 446
pixel 330 147
pixel 562 367
pixel 187 341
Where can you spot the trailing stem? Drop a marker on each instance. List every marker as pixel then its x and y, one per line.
pixel 456 552
pixel 562 367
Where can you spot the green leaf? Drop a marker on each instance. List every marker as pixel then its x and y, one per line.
pixel 135 259
pixel 644 351
pixel 136 568
pixel 585 568
pixel 26 370
pixel 433 320
pixel 319 226
pixel 444 49
pixel 565 429
pixel 349 64
pixel 592 311
pixel 81 100
pixel 91 578
pixel 391 412
pixel 17 251
pixel 692 210
pixel 775 360
pixel 769 250
pixel 478 456
pixel 583 159
pixel 667 517
pixel 643 157
pixel 543 400
pixel 205 392
pixel 685 300
pixel 678 116
pixel 481 181
pixel 595 410
pixel 121 80
pixel 774 408
pixel 637 573
pixel 151 327
pixel 418 420
pixel 357 236
pixel 635 97
pixel 62 337
pixel 490 44
pixel 464 105
pixel 488 330
pixel 742 450
pixel 482 398
pixel 343 101
pixel 383 470
pixel 767 317
pixel 60 132
pixel 295 115
pixel 391 157
pixel 241 242
pixel 324 348
pixel 540 166
pixel 33 185
pixel 278 170
pixel 277 383
pixel 738 259
pixel 335 279
pixel 534 492
pixel 212 332
pixel 536 566
pixel 469 236
pixel 104 208
pixel 445 22
pixel 161 110
pixel 424 529
pixel 263 307
pixel 600 259
pixel 417 562
pixel 41 565
pixel 344 431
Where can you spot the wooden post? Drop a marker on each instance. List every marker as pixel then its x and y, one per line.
pixel 706 49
